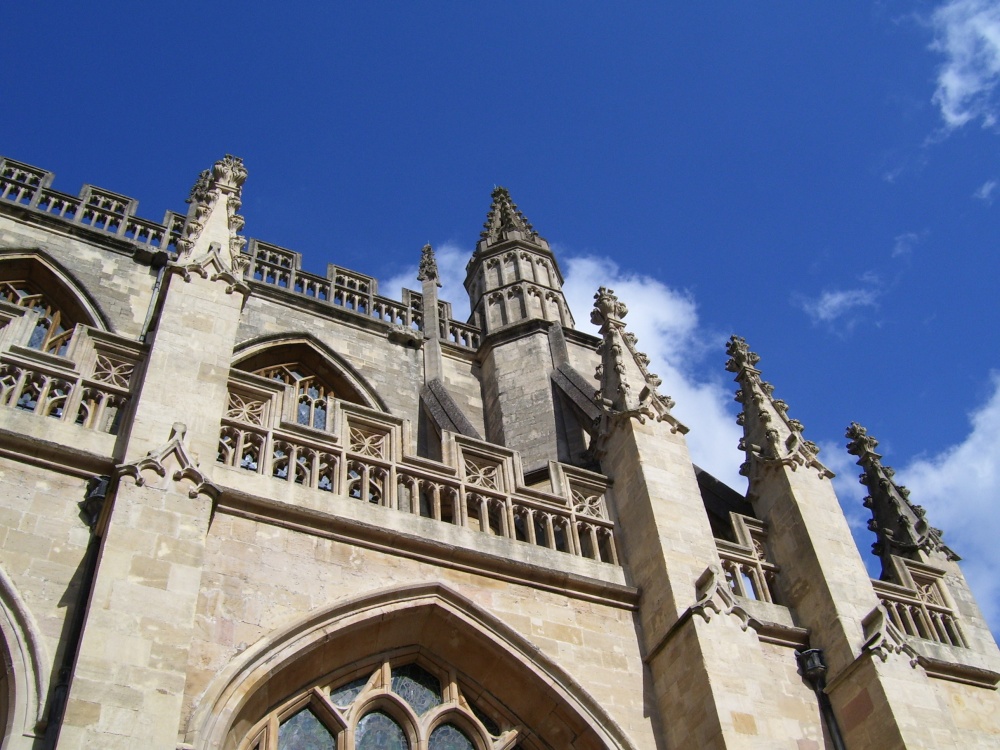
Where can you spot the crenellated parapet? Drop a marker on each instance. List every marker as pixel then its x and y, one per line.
pixel 770 436
pixel 95 208
pixel 900 526
pixel 628 388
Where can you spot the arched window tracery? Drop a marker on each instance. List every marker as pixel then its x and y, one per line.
pixel 312 393
pixel 53 328
pixel 397 703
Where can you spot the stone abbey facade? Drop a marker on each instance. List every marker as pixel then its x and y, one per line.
pixel 248 507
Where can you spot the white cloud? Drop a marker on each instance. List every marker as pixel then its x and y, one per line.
pixel 840 304
pixel 960 489
pixel 666 323
pixel 904 243
pixel 985 192
pixel 967 33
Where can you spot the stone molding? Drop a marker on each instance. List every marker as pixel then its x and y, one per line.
pixel 27 670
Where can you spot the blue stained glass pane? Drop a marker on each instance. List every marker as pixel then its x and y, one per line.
pixel 345 694
pixel 417 686
pixel 449 737
pixel 379 731
pixel 305 732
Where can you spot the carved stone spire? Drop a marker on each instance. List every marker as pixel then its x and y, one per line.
pixel 207 227
pixel 900 527
pixel 504 217
pixel 428 270
pixel 770 437
pixel 627 386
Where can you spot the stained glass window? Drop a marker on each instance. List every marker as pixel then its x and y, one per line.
pixel 379 731
pixel 449 737
pixel 417 686
pixel 305 732
pixel 345 694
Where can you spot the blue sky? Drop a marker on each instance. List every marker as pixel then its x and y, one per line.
pixel 820 178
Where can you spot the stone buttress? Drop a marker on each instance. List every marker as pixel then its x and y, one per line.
pixel 148 580
pixel 881 693
pixel 706 665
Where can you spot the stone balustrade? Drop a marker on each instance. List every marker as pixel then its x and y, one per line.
pixel 95 207
pixel 920 613
pixel 361 456
pixel 90 386
pixel 113 214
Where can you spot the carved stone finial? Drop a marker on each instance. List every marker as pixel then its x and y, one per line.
pixel 900 527
pixel 213 221
pixel 428 270
pixel 770 437
pixel 229 172
pixel 628 388
pixel 504 216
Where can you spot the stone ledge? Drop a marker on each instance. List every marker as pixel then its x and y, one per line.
pixel 547 570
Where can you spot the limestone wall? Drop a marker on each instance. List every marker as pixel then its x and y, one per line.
pixel 260 577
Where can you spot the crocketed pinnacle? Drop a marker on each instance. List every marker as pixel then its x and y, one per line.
pixel 769 436
pixel 900 527
pixel 504 216
pixel 627 385
pixel 428 270
pixel 213 218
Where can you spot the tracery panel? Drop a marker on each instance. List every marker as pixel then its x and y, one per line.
pixel 398 703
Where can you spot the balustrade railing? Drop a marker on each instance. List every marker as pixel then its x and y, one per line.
pixel 111 213
pixel 361 457
pixel 920 612
pixel 352 291
pixel 744 562
pixel 94 207
pixel 90 386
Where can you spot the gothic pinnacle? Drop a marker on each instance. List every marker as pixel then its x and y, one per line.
pixel 627 386
pixel 900 527
pixel 504 216
pixel 201 231
pixel 428 270
pixel 769 435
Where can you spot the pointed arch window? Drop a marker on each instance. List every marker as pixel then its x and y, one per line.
pixel 53 328
pixel 392 704
pixel 313 395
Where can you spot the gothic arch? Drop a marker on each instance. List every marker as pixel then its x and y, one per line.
pixel 305 348
pixel 36 267
pixel 430 617
pixel 25 665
